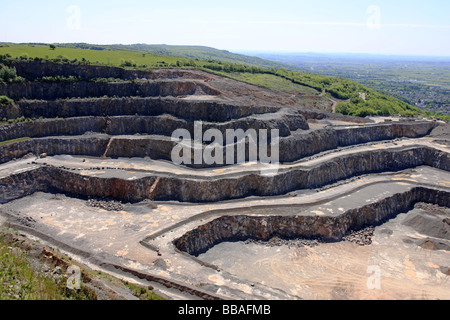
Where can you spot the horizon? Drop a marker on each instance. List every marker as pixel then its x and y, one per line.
pixel 244 52
pixel 403 28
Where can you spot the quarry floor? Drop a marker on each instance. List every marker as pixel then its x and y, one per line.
pixel 140 236
pixel 344 270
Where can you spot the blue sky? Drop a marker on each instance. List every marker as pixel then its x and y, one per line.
pixel 357 26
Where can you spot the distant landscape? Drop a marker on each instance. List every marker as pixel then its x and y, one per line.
pixel 420 81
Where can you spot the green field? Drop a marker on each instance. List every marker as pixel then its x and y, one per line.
pixel 188 52
pixel 110 58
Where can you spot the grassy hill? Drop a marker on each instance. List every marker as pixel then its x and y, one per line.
pixel 95 56
pixel 354 98
pixel 188 52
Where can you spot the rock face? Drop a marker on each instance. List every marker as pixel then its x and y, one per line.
pixel 241 227
pixel 32 70
pixel 86 145
pixel 143 106
pixel 85 89
pixel 158 132
pixel 212 189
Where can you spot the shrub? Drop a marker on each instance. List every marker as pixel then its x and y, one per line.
pixel 364 112
pixel 9 75
pixel 5 100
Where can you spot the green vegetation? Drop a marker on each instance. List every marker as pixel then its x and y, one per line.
pixel 82 56
pixel 143 293
pixel 2 143
pixel 25 276
pixel 354 98
pixel 20 119
pixel 5 100
pixel 9 75
pixel 20 281
pixel 273 82
pixel 59 79
pixel 187 52
pixel 423 82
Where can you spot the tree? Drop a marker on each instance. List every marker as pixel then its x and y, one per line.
pixel 52 47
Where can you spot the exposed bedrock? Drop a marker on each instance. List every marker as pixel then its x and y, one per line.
pixel 143 106
pixel 157 143
pixel 52 127
pixel 164 125
pixel 22 184
pixel 303 144
pixel 86 145
pixel 210 189
pixel 86 89
pixel 151 106
pixel 32 70
pixel 285 121
pixel 242 227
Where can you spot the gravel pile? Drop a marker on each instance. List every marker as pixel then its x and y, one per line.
pixel 277 242
pixel 107 205
pixel 362 237
pixel 433 208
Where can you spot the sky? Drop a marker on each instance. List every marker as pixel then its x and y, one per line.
pixel 400 27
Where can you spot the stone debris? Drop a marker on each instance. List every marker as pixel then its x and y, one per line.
pixel 293 243
pixel 362 237
pixel 104 204
pixel 27 221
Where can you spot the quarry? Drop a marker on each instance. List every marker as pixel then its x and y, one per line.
pixel 358 208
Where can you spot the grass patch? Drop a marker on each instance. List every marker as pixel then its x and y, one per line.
pixel 273 82
pixel 19 280
pixel 4 100
pixel 14 140
pixel 111 58
pixel 143 293
pixel 28 271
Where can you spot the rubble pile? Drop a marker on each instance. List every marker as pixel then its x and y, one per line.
pixel 104 204
pixel 362 237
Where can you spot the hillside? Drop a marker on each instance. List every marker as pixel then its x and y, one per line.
pixel 420 81
pixel 188 52
pixel 350 97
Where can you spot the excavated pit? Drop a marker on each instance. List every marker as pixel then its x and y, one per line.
pixel 324 228
pixel 108 143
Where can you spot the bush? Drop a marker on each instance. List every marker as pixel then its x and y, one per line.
pixel 9 75
pixel 364 112
pixel 127 63
pixel 59 79
pixel 5 100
